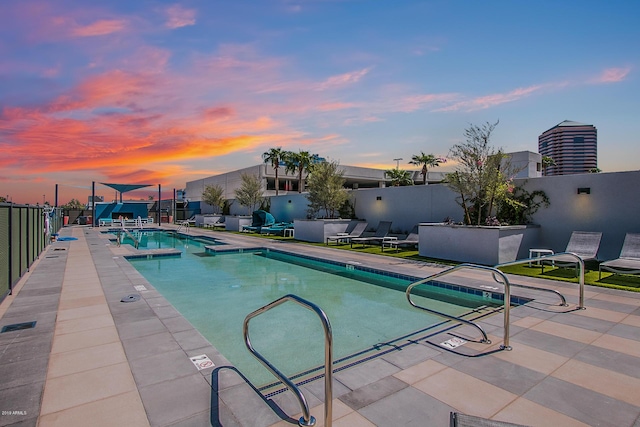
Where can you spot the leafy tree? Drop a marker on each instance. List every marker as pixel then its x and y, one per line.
pixel 274 156
pixel 3 199
pixel 426 161
pixel 73 204
pixel 213 195
pixel 483 179
pixel 595 170
pixel 527 204
pixel 299 163
pixel 326 189
pixel 399 177
pixel 249 193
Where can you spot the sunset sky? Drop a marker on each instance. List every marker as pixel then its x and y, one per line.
pixel 161 92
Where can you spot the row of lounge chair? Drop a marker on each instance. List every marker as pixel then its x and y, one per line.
pixel 380 236
pixel 585 244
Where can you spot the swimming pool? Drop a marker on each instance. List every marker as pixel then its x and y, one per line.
pixel 367 310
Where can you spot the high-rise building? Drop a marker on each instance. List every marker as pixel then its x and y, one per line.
pixel 573 147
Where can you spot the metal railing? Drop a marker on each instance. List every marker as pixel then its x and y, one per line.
pixel 136 242
pixel 307 419
pixel 552 257
pixel 184 224
pixel 507 300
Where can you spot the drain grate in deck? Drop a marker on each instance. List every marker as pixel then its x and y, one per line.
pixel 18 326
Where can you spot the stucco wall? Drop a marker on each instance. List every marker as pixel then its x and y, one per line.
pixel 612 207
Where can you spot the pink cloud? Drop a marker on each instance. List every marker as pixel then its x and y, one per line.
pixel 488 101
pixel 612 75
pixel 99 28
pixel 178 16
pixel 343 79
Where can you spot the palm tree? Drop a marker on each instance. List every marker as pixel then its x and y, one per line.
pixel 426 160
pixel 274 156
pixel 399 177
pixel 299 163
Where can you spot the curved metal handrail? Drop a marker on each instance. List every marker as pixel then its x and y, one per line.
pixel 579 261
pixel 507 300
pixel 307 419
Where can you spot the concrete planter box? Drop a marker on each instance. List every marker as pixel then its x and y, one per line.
pixel 478 245
pixel 317 230
pixel 202 220
pixel 235 223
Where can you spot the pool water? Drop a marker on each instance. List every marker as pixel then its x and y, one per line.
pixel 216 292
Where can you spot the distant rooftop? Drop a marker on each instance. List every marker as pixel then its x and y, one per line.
pixel 568 123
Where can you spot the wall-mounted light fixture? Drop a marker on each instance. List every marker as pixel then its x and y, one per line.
pixel 379 198
pixel 584 190
pixel 289 201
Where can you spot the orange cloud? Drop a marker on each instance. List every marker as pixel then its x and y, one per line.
pixel 343 79
pixel 178 16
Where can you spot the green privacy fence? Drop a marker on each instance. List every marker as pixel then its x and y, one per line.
pixel 24 233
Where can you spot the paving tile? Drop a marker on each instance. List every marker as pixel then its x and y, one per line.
pixel 25 348
pixel 626 331
pixel 612 306
pixel 612 360
pixel 72 390
pixel 24 400
pixel 23 372
pixel 623 345
pixel 373 392
pixel 461 391
pixel 365 373
pixel 532 358
pixel 503 374
pixel 598 313
pixel 177 324
pixel 191 339
pixel 84 359
pixel 408 407
pixel 128 330
pixel 66 303
pixel 339 410
pixel 80 312
pixel 122 410
pixel 161 367
pixel 551 343
pixel 149 345
pixel 585 322
pixel 526 412
pixel 582 404
pixel 175 400
pixel 286 405
pixel 632 320
pixel 410 355
pixel 354 419
pixel 565 331
pixel 85 324
pixel 317 388
pixel 84 339
pixel 420 371
pixel 619 386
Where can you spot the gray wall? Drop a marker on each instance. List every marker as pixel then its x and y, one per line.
pixel 613 207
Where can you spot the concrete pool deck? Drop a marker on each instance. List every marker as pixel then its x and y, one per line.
pixel 93 360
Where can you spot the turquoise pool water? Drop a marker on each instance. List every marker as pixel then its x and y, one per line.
pixel 215 293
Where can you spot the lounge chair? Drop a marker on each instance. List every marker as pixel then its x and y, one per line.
pixel 277 228
pixel 357 231
pixel 259 219
pixel 379 236
pixel 585 244
pixel 629 260
pixel 410 240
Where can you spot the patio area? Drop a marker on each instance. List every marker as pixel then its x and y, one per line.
pixel 92 359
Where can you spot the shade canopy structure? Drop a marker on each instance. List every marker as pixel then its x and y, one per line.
pixel 123 188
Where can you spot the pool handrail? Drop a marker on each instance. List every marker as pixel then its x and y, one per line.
pixel 551 257
pixel 307 419
pixel 507 300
